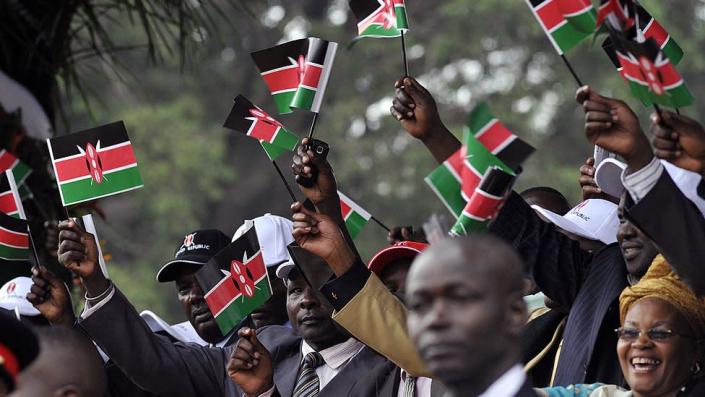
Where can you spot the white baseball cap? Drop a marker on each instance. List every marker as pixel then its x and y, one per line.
pixel 14 295
pixel 274 234
pixel 594 219
pixel 608 177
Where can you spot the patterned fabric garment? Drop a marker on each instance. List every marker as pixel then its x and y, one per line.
pixel 593 390
pixel 308 384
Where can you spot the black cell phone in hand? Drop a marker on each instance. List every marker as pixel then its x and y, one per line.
pixel 320 149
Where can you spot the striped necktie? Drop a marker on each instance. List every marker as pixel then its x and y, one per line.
pixel 308 384
pixel 409 386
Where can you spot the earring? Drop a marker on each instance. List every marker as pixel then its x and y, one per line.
pixel 695 369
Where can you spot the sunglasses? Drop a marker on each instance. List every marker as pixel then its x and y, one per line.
pixel 654 334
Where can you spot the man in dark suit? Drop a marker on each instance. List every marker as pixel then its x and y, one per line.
pixel 681 141
pixel 466 313
pixel 587 284
pixel 182 369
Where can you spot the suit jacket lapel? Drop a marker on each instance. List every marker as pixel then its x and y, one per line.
pixel 287 369
pixel 606 279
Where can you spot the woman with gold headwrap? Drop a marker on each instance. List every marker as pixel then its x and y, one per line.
pixel 660 347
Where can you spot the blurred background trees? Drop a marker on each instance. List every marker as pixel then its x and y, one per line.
pixel 198 175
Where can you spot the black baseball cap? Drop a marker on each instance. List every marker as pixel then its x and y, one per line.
pixel 193 252
pixel 18 348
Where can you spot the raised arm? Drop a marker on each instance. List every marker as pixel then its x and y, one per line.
pixel 416 110
pixel 150 361
pixel 363 306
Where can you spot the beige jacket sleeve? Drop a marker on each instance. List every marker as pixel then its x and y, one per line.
pixel 378 319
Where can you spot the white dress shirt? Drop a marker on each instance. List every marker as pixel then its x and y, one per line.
pixel 640 182
pixel 422 388
pixel 506 385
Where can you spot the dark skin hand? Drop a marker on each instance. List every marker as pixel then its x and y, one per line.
pixel 612 125
pixel 679 140
pixel 416 110
pixel 78 252
pixel 324 193
pixel 588 186
pixel 50 296
pixel 320 235
pixel 250 364
pixel 405 233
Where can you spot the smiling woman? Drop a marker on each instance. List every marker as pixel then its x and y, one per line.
pixel 660 345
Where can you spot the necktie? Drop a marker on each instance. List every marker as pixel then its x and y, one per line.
pixel 409 386
pixel 308 384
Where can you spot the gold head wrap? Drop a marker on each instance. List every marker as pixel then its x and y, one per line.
pixel 660 282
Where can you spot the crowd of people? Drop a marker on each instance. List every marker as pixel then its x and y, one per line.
pixel 623 313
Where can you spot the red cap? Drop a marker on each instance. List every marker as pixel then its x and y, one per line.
pixel 400 250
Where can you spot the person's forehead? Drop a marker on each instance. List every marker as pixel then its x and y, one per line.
pixel 652 310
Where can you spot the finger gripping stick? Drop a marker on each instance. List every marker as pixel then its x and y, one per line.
pixel 320 149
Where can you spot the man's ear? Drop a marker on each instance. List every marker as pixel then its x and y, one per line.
pixel 516 307
pixel 67 391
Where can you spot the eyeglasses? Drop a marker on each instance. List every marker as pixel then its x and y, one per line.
pixel 654 334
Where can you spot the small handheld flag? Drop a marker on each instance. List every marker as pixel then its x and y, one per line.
pixel 566 22
pixel 487 143
pixel 14 239
pixel 380 18
pixel 651 76
pixel 94 163
pixel 297 72
pixel 617 13
pixel 497 138
pixel 485 202
pixel 19 169
pixel 235 281
pixel 10 202
pixel 256 123
pixel 446 180
pixel 355 217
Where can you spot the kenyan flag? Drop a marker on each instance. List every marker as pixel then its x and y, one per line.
pixel 10 202
pixel 235 281
pixel 566 22
pixel 617 13
pixel 94 163
pixel 496 137
pixel 485 202
pixel 477 159
pixel 445 182
pixel 19 169
pixel 256 123
pixel 14 239
pixel 380 18
pixel 355 217
pixel 297 72
pixel 651 76
pixel 652 29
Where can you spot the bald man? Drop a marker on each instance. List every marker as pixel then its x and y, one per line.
pixel 465 316
pixel 68 365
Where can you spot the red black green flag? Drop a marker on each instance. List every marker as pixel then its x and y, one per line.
pixel 235 281
pixel 617 13
pixel 380 18
pixel 566 22
pixel 485 202
pixel 256 123
pixel 297 72
pixel 496 137
pixel 651 76
pixel 94 163
pixel 10 202
pixel 14 238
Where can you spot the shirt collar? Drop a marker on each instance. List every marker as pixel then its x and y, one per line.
pixel 336 355
pixel 508 384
